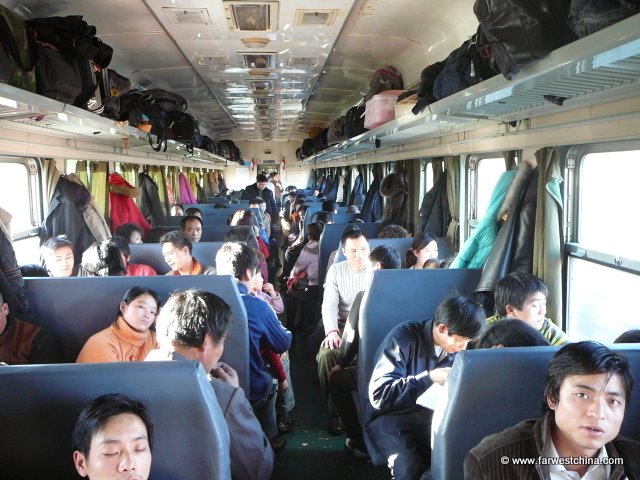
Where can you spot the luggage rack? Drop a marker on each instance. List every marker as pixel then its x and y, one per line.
pixel 34 125
pixel 601 67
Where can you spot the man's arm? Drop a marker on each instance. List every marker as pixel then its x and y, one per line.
pixel 277 338
pixel 391 388
pixel 330 309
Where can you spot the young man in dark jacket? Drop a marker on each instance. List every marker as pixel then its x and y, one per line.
pixel 588 388
pixel 259 189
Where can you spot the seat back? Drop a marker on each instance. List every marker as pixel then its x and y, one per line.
pixel 151 254
pixel 512 380
pixel 40 404
pixel 330 239
pixel 94 305
pixel 397 296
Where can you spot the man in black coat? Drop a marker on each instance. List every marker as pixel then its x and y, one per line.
pixel 259 189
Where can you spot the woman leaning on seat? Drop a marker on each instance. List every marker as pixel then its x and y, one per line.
pixel 128 338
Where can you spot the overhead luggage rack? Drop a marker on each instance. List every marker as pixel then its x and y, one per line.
pixel 601 67
pixel 39 126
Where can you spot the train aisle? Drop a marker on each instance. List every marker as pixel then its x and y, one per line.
pixel 311 453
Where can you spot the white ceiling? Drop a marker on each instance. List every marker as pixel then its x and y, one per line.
pixel 202 60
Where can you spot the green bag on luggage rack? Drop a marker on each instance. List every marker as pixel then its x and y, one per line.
pixel 16 54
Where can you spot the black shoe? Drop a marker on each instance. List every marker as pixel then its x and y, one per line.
pixel 357 449
pixel 286 423
pixel 278 443
pixel 335 426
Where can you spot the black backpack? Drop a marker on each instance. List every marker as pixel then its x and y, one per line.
pixel 425 89
pixel 354 123
pixel 522 31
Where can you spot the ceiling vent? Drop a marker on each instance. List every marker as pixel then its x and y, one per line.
pixel 243 16
pixel 315 17
pixel 302 62
pixel 255 42
pixel 187 16
pixel 261 85
pixel 258 59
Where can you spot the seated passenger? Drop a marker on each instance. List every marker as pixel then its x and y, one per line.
pixel 113 438
pixel 191 226
pixel 511 332
pixel 524 296
pixel 177 210
pixel 131 231
pixel 128 338
pixel 325 218
pixel 22 342
pixel 193 325
pixel 587 391
pixel 630 336
pixel 176 251
pixel 193 212
pixel 265 330
pixel 411 358
pixel 343 379
pixel 307 265
pixel 329 206
pixel 102 259
pixel 57 255
pixel 266 219
pixel 133 269
pixel 423 248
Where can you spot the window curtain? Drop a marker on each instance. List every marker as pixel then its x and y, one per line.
pixel 129 172
pixel 98 172
pixel 173 187
pixel 51 176
pixel 549 238
pixel 412 169
pixel 83 173
pixel 452 166
pixel 158 176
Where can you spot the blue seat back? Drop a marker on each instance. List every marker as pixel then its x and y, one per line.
pixel 330 239
pixel 94 305
pixel 40 404
pixel 397 296
pixel 151 254
pixel 206 207
pixel 509 381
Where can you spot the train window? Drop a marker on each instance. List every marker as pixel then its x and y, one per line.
pixel 15 199
pixel 605 239
pixel 489 171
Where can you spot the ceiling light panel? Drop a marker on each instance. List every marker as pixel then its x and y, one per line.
pixel 315 17
pixel 258 60
pixel 243 16
pixel 187 16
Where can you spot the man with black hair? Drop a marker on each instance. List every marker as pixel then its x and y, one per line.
pixel 191 226
pixel 58 256
pixel 176 251
pixel 587 391
pixel 343 378
pixel 329 206
pixel 113 438
pixel 523 296
pixel 342 283
pixel 265 331
pixel 23 342
pixel 412 357
pixel 259 189
pixel 193 325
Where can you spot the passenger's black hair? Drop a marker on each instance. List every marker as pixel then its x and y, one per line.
pixel 630 336
pixel 273 174
pixel 53 243
pixel 33 270
pixel 515 288
pixel 243 217
pixel 261 178
pixel 511 332
pixel 241 234
pixel 324 217
pixel 122 244
pixel 291 188
pixel 102 259
pixel 93 417
pixel 219 205
pixel 191 211
pixel 329 206
pixel 189 218
pixel 134 292
pixel 351 231
pixel 154 235
pixel 313 231
pixel 585 358
pixel 190 315
pixel 177 205
pixel 127 229
pixel 353 209
pixel 420 241
pixel 393 231
pixel 388 257
pixel 177 239
pixel 235 259
pixel 461 315
pixel 257 201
